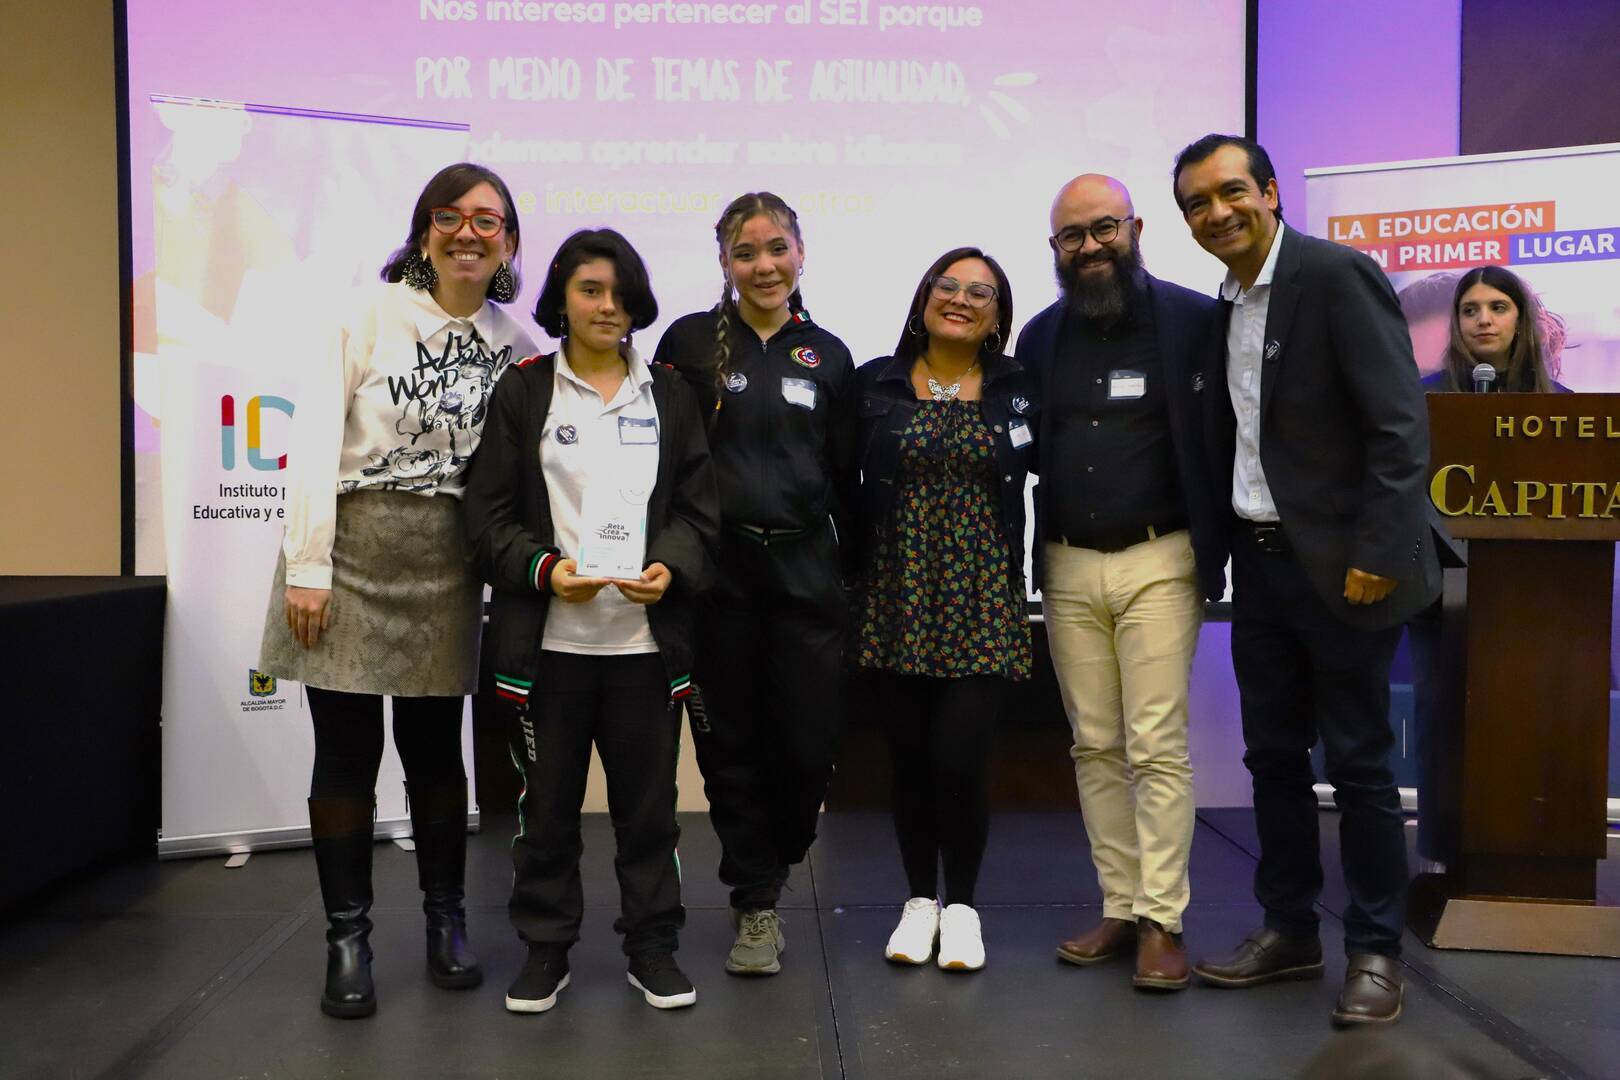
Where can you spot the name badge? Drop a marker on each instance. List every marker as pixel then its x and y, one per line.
pixel 633 432
pixel 1126 385
pixel 800 392
pixel 1018 432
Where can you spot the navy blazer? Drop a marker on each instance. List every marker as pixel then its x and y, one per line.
pixel 1344 432
pixel 1182 322
pixel 885 403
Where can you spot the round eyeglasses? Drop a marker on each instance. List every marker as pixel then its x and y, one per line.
pixel 978 294
pixel 1073 238
pixel 448 220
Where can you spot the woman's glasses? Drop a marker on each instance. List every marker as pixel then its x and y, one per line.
pixel 978 294
pixel 448 220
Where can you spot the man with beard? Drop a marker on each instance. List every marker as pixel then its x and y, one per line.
pixel 1127 548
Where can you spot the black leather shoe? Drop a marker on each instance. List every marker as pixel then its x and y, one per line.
pixel 1372 992
pixel 1265 956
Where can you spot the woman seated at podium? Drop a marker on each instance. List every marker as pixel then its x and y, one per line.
pixel 371 593
pixel 946 435
pixel 592 511
pixel 1496 319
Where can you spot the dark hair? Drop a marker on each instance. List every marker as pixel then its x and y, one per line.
pixel 1538 339
pixel 912 345
pixel 449 184
pixel 633 289
pixel 1194 152
pixel 738 213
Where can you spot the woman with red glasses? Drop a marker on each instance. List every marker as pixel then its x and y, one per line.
pixel 372 595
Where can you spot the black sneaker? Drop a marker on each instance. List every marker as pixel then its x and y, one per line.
pixel 661 981
pixel 544 975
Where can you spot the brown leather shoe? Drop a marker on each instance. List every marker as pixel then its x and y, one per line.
pixel 1265 956
pixel 1111 937
pixel 1161 958
pixel 1372 992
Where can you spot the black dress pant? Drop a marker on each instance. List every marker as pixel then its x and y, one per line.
pixel 621 703
pixel 940 732
pixel 1304 674
pixel 769 673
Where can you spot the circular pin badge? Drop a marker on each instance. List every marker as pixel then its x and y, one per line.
pixel 1020 405
pixel 567 434
pixel 736 382
pixel 805 356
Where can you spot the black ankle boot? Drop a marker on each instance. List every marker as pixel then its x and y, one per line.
pixel 439 823
pixel 343 861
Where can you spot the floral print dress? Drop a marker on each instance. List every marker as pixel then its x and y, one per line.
pixel 942 599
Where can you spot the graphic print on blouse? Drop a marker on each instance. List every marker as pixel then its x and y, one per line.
pixel 448 392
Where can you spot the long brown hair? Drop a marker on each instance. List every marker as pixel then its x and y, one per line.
pixel 1537 340
pixel 737 213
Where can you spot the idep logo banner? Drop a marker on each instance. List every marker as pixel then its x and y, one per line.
pixel 255 428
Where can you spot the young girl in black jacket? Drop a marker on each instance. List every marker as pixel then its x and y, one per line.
pixel 586 659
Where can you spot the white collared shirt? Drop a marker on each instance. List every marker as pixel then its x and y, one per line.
pixel 1245 353
pixel 396 403
pixel 582 444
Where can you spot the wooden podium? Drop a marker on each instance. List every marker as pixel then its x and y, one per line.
pixel 1518 780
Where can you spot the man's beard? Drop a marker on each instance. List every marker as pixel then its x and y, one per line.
pixel 1103 298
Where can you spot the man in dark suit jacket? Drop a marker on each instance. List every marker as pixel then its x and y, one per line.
pixel 1323 437
pixel 1128 544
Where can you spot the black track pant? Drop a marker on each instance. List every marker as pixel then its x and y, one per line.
pixel 941 733
pixel 769 672
pixel 621 703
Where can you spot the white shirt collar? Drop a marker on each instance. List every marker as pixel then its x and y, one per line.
pixel 429 318
pixel 638 374
pixel 1231 287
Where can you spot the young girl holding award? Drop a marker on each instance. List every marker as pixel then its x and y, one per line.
pixel 592 512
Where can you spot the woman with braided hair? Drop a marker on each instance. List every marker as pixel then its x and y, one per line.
pixel 778 390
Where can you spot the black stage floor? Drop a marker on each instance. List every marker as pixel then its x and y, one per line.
pixel 188 969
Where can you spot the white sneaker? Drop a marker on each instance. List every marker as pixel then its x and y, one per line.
pixel 960 946
pixel 913 940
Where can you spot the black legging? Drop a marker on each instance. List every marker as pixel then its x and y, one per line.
pixel 349 742
pixel 940 736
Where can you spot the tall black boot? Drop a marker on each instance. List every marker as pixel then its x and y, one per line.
pixel 439 822
pixel 341 829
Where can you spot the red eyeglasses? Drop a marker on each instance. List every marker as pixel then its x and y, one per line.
pixel 448 220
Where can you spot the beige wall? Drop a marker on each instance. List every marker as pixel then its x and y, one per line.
pixel 59 291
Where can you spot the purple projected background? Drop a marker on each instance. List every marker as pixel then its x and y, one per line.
pixel 960 135
pixel 893 140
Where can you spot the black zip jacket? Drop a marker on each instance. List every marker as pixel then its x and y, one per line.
pixel 885 406
pixel 513 544
pixel 778 464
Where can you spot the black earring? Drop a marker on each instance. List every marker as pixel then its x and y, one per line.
pixel 419 273
pixel 502 287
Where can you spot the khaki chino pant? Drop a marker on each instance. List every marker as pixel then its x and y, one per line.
pixel 1122 627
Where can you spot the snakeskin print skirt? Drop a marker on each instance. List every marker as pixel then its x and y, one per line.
pixel 406 611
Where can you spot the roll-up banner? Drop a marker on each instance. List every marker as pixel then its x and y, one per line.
pixel 245 288
pixel 1550 216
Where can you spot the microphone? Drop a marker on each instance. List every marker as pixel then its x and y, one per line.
pixel 1484 376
